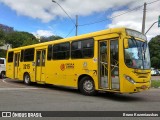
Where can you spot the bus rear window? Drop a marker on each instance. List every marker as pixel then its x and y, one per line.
pixel 10 57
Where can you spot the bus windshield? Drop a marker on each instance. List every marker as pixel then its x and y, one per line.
pixel 137 54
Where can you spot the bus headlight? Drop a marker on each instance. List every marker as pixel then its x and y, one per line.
pixel 129 79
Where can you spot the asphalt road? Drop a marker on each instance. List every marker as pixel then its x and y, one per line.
pixel 155 77
pixel 15 96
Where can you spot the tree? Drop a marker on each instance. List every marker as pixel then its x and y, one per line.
pixel 3 53
pixel 154 46
pixel 18 39
pixel 2 37
pixel 50 38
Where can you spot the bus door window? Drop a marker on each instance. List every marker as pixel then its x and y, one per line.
pixel 103 64
pixel 15 60
pixel 114 66
pixel 16 63
pixel 43 57
pixel 103 58
pixel 38 60
pixel 114 58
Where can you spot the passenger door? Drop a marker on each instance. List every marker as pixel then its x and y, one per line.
pixel 109 64
pixel 40 65
pixel 16 64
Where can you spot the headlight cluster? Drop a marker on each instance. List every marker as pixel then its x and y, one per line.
pixel 129 79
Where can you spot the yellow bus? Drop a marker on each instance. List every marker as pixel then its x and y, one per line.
pixel 113 60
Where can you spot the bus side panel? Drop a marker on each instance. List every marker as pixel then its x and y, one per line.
pixel 27 67
pixel 67 72
pixel 9 70
pixel 58 74
pixel 20 71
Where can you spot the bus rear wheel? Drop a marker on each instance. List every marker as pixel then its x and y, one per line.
pixel 27 79
pixel 86 86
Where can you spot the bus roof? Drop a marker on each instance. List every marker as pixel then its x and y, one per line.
pixel 88 35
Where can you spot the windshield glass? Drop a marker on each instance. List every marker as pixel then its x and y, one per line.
pixel 137 54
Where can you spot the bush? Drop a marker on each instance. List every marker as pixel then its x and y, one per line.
pixel 155 83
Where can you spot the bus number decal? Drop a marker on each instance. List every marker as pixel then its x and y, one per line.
pixel 26 66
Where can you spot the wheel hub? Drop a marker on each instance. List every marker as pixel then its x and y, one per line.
pixel 88 85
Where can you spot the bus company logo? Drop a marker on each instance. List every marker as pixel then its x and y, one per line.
pixel 69 65
pixel 6 114
pixel 62 67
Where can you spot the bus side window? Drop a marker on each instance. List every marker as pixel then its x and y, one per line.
pixel 76 51
pixel 29 54
pixel 22 56
pixel 61 51
pixel 82 49
pixel 88 48
pixel 49 54
pixel 10 57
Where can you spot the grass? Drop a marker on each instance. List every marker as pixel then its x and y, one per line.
pixel 155 83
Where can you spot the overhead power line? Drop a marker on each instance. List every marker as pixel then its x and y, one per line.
pixel 70 31
pixel 153 2
pixel 103 20
pixel 128 11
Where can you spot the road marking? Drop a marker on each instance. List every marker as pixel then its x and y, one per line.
pixel 16 87
pixel 1 89
pixel 4 80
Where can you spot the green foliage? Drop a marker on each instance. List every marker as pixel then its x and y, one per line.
pixel 18 39
pixel 155 83
pixel 154 47
pixel 2 37
pixel 50 38
pixel 3 53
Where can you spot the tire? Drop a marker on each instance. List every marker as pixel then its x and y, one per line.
pixel 27 79
pixel 86 86
pixel 2 75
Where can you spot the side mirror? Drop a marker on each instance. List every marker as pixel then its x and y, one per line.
pixel 126 43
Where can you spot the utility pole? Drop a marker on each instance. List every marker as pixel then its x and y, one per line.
pixel 76 25
pixel 144 18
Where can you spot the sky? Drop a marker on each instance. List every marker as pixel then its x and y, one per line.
pixel 46 18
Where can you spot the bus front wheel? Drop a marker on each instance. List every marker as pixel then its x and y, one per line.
pixel 27 79
pixel 86 86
